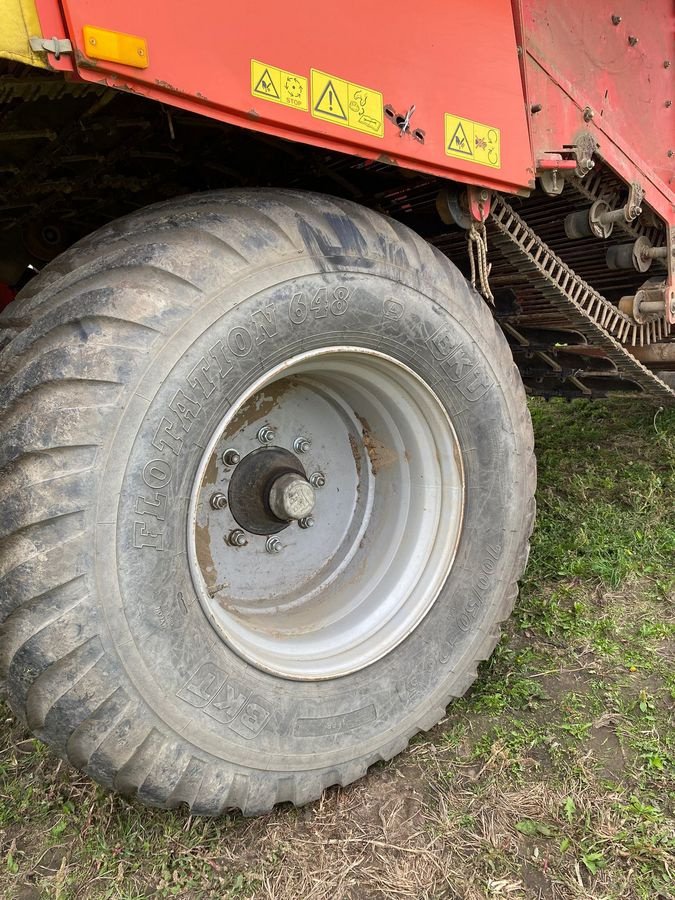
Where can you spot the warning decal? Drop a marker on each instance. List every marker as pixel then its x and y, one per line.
pixel 343 103
pixel 279 86
pixel 466 139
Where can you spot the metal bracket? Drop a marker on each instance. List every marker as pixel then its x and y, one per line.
pixel 551 171
pixel 54 45
pixel 480 202
pixel 584 147
pixel 633 207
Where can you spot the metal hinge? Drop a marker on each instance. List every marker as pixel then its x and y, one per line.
pixel 54 45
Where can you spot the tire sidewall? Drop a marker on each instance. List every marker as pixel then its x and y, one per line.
pixel 191 680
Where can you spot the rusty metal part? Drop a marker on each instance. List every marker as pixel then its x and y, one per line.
pixel 658 356
pixel 479 203
pixel 577 304
pixel 645 305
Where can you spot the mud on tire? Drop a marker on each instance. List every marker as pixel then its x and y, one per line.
pixel 125 352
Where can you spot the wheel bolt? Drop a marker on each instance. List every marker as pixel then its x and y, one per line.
pixel 301 445
pixel 265 435
pixel 307 522
pixel 230 458
pixel 317 479
pixel 218 500
pixel 236 538
pixel 273 545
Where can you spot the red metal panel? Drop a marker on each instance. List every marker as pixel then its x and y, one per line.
pixel 615 63
pixel 451 58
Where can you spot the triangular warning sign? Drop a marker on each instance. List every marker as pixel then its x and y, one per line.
pixel 329 104
pixel 459 142
pixel 265 86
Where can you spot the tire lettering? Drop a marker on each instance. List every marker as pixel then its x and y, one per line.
pixel 199 378
pixel 265 323
pixel 297 309
pixel 155 507
pixel 440 344
pixel 392 309
pixel 340 303
pixel 226 701
pixel 319 304
pixel 157 473
pixel 217 353
pixel 322 725
pixel 185 408
pixel 164 437
pixel 239 341
pixel 145 538
pixel 479 591
pixel 459 365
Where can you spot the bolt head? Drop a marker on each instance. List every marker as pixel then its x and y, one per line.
pixel 273 545
pixel 317 479
pixel 236 538
pixel 616 20
pixel 307 522
pixel 301 445
pixel 291 497
pixel 218 500
pixel 265 435
pixel 230 458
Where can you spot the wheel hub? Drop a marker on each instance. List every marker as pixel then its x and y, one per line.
pixel 380 481
pixel 291 497
pixel 261 485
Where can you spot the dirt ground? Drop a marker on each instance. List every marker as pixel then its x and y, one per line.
pixel 553 778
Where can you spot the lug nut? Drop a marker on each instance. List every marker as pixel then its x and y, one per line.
pixel 230 458
pixel 218 500
pixel 273 545
pixel 307 522
pixel 317 479
pixel 301 445
pixel 236 538
pixel 265 435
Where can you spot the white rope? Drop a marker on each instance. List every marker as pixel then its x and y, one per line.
pixel 478 260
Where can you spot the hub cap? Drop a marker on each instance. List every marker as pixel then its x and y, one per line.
pixel 355 444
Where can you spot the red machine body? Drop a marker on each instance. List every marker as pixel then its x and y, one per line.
pixel 447 76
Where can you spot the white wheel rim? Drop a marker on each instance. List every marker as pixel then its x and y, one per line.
pixel 342 594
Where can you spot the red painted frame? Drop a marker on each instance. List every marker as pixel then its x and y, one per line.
pixel 466 64
pixel 492 62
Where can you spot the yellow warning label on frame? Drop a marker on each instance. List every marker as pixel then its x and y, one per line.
pixel 470 140
pixel 343 103
pixel 279 86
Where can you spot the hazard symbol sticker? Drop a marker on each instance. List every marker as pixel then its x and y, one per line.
pixel 466 139
pixel 279 86
pixel 344 103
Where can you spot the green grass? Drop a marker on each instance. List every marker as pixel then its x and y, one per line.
pixel 553 778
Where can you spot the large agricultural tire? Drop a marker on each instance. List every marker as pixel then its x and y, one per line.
pixel 139 639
